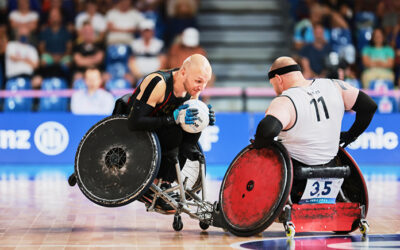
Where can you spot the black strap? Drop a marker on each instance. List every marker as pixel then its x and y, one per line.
pixel 149 89
pixel 283 70
pixel 139 118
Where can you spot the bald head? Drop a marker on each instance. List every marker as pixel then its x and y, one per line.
pixel 285 73
pixel 195 73
pixel 198 63
pixel 282 61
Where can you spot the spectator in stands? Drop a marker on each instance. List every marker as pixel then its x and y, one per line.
pixel 187 45
pixel 313 55
pixel 34 5
pixel 67 9
pixel 147 51
pixel 387 15
pixel 3 47
pixel 21 58
pixel 94 100
pixel 151 9
pixel 395 43
pixel 181 15
pixel 89 53
pixel 104 6
pixel 24 18
pixel 55 47
pixel 122 22
pixel 303 31
pixel 378 59
pixel 3 16
pixel 96 19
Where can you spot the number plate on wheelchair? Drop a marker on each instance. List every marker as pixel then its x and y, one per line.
pixel 321 190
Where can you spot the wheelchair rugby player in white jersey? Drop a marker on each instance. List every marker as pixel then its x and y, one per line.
pixel 320 186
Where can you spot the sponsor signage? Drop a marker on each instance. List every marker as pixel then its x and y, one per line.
pixel 47 138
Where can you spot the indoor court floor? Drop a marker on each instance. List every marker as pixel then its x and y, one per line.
pixel 39 210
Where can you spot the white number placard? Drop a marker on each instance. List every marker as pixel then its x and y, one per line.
pixel 321 190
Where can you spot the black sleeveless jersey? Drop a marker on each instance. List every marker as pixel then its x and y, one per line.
pixel 170 102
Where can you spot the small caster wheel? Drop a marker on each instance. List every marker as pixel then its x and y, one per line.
pixel 177 224
pixel 364 227
pixel 290 230
pixel 204 225
pixel 72 180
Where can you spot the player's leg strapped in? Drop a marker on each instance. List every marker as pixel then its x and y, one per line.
pixel 170 138
pixel 188 149
pixel 175 141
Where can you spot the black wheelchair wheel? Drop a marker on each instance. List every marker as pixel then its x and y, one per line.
pixel 115 166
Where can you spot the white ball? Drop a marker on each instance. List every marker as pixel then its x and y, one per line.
pixel 203 116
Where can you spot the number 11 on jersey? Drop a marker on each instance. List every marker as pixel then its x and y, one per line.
pixel 322 101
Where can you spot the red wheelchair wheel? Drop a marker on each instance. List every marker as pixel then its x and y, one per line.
pixel 255 188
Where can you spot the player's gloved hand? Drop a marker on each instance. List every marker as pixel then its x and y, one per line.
pixel 211 115
pixel 345 139
pixel 190 115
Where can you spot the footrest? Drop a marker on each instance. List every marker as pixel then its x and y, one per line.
pixel 325 217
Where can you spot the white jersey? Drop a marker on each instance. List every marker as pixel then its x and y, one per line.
pixel 314 137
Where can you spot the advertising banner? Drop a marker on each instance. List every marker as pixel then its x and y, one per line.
pixel 52 138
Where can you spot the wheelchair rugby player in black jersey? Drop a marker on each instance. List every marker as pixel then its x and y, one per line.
pixel 155 106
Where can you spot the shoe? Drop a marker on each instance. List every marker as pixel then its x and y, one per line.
pixel 162 204
pixel 147 198
pixel 174 195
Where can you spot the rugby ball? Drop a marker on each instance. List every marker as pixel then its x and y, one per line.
pixel 203 116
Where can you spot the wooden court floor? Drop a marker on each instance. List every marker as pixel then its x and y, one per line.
pixel 46 213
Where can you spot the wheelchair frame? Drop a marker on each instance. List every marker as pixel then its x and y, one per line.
pixel 197 207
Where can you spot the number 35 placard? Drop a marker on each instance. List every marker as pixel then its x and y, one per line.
pixel 321 190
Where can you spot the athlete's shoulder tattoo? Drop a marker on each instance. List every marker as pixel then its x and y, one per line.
pixel 341 83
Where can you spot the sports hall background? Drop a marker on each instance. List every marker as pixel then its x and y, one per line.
pixel 45 47
pixel 46 106
pixel 241 38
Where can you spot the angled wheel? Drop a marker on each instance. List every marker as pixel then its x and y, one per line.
pixel 115 166
pixel 255 188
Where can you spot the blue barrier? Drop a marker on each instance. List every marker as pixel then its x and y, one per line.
pixel 42 138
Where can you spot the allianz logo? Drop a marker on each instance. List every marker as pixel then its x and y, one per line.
pixel 15 139
pixel 50 138
pixel 376 140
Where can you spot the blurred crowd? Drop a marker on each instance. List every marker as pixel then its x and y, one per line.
pixel 353 40
pixel 96 46
pixel 91 45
